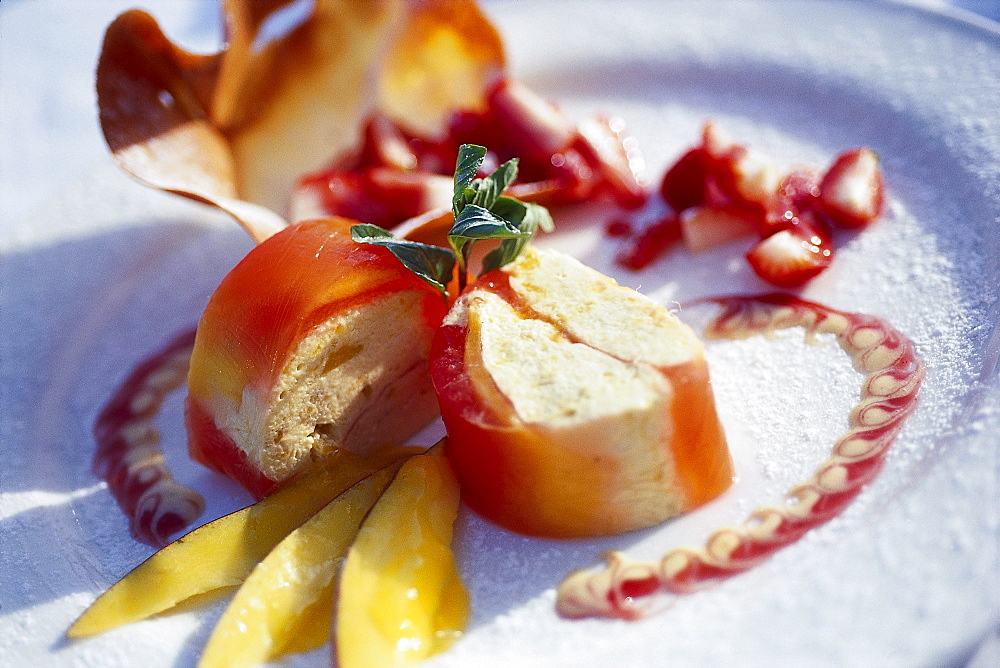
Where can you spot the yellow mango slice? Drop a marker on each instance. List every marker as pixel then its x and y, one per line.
pixel 400 598
pixel 286 605
pixel 220 554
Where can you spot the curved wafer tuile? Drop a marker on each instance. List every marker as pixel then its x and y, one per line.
pixel 889 392
pixel 236 129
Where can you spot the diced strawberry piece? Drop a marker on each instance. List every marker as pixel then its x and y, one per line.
pixel 716 143
pixel 473 127
pixel 748 176
pixel 852 192
pixel 577 170
pixel 651 244
pixel 684 184
pixel 797 193
pixel 408 194
pixel 382 196
pixel 705 227
pixel 788 259
pixel 618 227
pixel 615 157
pixel 533 126
pixel 385 146
pixel 743 174
pixel 720 172
pixel 715 195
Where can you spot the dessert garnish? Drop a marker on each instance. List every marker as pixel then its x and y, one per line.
pixel 357 111
pixel 396 176
pixel 400 598
pixel 128 454
pixel 285 605
pixel 237 129
pixel 721 191
pixel 480 212
pixel 216 556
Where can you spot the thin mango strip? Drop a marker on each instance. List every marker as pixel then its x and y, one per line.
pixel 400 597
pixel 286 605
pixel 222 553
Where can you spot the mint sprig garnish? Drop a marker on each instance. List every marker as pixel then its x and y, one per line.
pixel 481 212
pixel 529 219
pixel 433 264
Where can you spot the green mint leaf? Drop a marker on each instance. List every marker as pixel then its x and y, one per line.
pixel 511 210
pixel 528 218
pixel 365 232
pixel 503 254
pixel 540 218
pixel 488 190
pixel 476 223
pixel 432 264
pixel 481 212
pixel 470 159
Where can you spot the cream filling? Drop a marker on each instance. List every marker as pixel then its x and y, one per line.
pixel 615 414
pixel 592 308
pixel 552 380
pixel 359 381
pixel 580 360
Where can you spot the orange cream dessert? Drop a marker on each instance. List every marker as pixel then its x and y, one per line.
pixel 311 344
pixel 575 406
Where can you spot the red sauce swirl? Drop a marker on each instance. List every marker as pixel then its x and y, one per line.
pixel 128 455
pixel 893 373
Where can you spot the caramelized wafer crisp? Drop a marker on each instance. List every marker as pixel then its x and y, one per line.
pixel 237 128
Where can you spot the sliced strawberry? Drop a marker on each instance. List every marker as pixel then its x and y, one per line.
pixel 385 146
pixel 744 175
pixel 715 142
pixel 788 259
pixel 797 193
pixel 531 125
pixel 705 227
pixel 720 172
pixel 615 157
pixel 852 192
pixel 619 228
pixel 684 184
pixel 651 244
pixel 748 176
pixel 382 196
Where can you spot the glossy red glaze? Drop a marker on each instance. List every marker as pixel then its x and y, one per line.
pixel 790 257
pixel 684 183
pixel 852 192
pixel 797 197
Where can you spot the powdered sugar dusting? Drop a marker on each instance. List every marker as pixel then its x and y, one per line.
pixel 96 281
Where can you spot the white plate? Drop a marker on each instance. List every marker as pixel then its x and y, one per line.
pixel 106 270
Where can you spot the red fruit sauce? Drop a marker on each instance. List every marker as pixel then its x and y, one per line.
pixel 128 455
pixel 893 373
